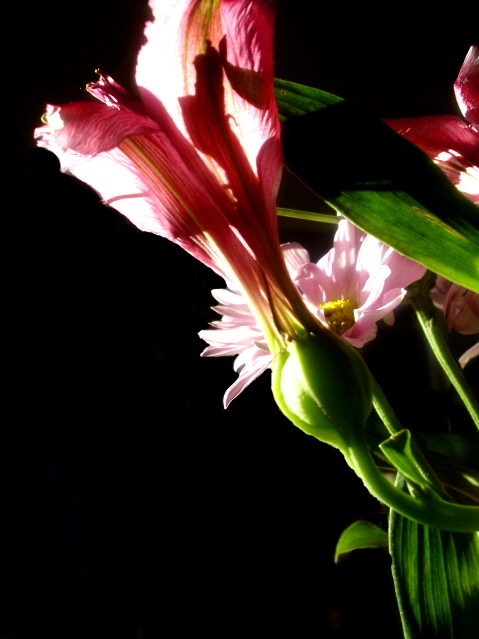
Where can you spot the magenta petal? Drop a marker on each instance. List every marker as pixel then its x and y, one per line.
pixel 436 134
pixel 90 128
pixel 198 159
pixel 451 143
pixel 466 87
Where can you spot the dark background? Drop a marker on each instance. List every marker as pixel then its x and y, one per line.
pixel 132 503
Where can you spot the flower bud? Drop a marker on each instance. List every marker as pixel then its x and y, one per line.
pixel 324 387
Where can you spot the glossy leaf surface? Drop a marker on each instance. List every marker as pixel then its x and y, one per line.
pixel 379 181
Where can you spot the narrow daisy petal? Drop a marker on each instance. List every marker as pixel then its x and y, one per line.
pixel 295 257
pixel 252 366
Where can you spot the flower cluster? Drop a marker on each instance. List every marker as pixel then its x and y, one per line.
pixel 358 282
pixel 453 144
pixel 197 158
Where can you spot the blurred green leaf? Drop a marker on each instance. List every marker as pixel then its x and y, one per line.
pixel 436 576
pixel 360 534
pixel 379 181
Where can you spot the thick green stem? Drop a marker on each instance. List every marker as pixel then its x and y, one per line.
pixel 384 410
pixel 425 312
pixel 426 508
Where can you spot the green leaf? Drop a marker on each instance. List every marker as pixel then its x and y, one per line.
pixel 360 534
pixel 436 577
pixel 379 181
pixel 294 100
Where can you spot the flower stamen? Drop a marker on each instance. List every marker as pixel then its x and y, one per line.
pixel 339 315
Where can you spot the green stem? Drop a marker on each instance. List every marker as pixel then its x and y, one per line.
pixel 425 312
pixel 384 410
pixel 308 215
pixel 388 416
pixel 426 508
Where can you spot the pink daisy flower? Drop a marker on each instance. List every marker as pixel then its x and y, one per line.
pixel 358 282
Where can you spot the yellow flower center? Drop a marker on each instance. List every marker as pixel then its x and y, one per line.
pixel 339 315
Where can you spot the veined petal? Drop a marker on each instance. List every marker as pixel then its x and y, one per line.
pixel 317 285
pixel 340 263
pixel 466 87
pixel 237 100
pixel 229 297
pixel 90 128
pixel 295 257
pixel 234 311
pixel 202 146
pixel 388 273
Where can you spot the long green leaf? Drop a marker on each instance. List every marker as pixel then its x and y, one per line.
pixel 378 180
pixel 436 576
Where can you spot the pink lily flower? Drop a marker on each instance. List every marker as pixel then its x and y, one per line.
pixel 451 142
pixel 358 282
pixel 197 158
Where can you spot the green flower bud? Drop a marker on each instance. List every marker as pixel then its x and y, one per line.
pixel 324 387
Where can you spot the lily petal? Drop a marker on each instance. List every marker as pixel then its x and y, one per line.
pixel 452 143
pixel 466 87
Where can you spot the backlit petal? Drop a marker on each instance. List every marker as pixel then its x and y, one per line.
pixel 466 87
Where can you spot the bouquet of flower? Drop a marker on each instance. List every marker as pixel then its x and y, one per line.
pixel 197 158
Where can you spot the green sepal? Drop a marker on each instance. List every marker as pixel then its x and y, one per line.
pixel 360 534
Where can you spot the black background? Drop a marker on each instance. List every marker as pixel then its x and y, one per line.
pixel 132 503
